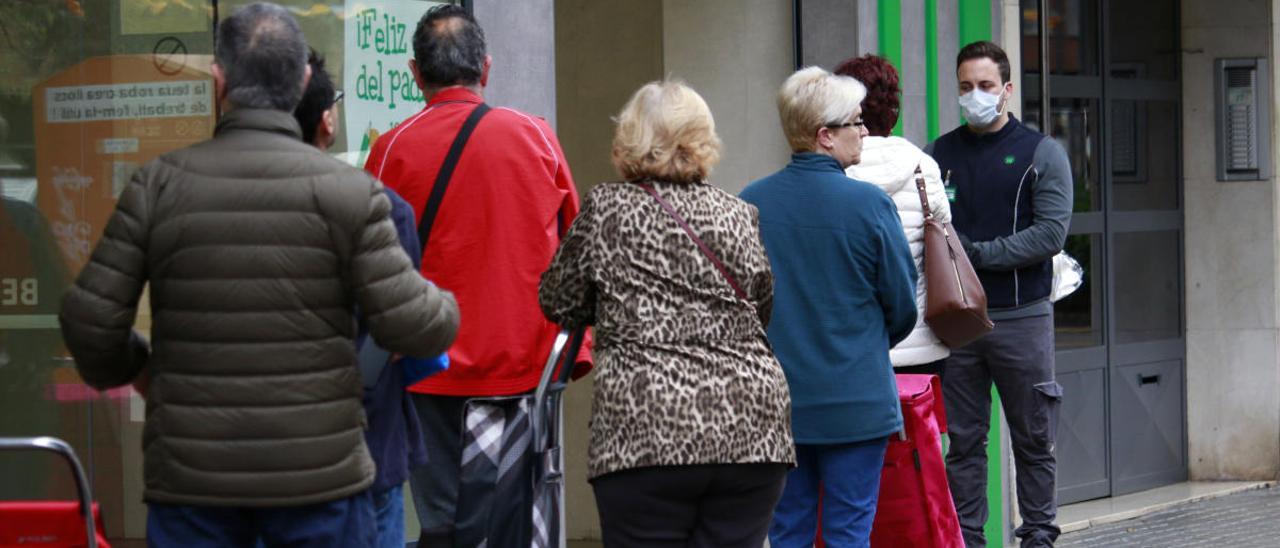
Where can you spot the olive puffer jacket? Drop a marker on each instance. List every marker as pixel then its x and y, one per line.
pixel 257 248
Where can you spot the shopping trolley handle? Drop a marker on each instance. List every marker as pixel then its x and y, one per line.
pixel 564 352
pixel 62 448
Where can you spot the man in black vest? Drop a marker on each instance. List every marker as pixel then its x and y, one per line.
pixel 1011 194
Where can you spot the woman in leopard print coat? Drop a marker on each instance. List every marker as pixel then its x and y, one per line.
pixel 690 419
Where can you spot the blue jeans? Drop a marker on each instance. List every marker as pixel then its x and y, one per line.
pixel 344 522
pixel 848 476
pixel 389 509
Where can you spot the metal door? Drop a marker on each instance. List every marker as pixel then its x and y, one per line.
pixel 1113 89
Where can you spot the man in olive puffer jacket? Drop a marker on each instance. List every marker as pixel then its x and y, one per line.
pixel 257 247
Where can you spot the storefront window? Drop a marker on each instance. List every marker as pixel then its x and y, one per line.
pixel 1073 37
pixel 90 90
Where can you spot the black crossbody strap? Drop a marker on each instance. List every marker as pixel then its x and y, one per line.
pixel 446 173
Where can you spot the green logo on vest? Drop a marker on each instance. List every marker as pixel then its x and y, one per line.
pixel 1008 160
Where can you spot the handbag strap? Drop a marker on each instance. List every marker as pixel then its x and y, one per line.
pixel 737 289
pixel 924 196
pixel 446 173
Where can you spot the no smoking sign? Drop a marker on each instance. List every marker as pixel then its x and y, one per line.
pixel 169 56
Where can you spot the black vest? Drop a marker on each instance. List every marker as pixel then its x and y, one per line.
pixel 991 177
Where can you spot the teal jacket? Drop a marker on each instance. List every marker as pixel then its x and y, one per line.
pixel 844 293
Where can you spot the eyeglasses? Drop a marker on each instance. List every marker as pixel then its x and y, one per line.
pixel 337 97
pixel 858 123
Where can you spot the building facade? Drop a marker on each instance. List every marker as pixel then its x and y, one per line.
pixel 1169 354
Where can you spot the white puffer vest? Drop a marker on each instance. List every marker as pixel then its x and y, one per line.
pixel 890 163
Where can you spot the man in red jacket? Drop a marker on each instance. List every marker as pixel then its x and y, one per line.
pixel 509 200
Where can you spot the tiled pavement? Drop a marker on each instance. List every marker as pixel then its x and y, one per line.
pixel 1248 519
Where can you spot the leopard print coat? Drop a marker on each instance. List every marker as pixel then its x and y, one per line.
pixel 684 374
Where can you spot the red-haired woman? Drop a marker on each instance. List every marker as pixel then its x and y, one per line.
pixel 890 163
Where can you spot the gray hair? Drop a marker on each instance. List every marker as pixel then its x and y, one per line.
pixel 812 98
pixel 263 56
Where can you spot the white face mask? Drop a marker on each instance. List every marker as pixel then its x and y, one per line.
pixel 980 107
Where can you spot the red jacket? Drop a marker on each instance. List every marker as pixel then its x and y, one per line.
pixel 510 200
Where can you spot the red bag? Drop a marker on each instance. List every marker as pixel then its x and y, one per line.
pixel 47 524
pixel 52 523
pixel 915 507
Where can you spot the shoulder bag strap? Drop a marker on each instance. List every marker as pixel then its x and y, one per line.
pixel 924 196
pixel 446 173
pixel 737 289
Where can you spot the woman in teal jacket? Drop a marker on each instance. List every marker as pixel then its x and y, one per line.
pixel 844 294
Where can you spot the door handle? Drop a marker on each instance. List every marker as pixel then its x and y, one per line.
pixel 1144 380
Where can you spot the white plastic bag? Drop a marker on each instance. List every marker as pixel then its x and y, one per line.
pixel 1068 276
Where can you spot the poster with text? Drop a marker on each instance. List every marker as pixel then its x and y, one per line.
pixel 99 121
pixel 379 88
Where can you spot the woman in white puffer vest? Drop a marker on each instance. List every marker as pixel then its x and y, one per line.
pixel 890 163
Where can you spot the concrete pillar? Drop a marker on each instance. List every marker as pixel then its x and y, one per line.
pixel 605 50
pixel 736 53
pixel 912 75
pixel 521 40
pixel 868 27
pixel 1006 29
pixel 1233 378
pixel 948 46
pixel 831 31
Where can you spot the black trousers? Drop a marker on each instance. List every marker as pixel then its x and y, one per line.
pixel 1018 356
pixel 715 505
pixel 435 486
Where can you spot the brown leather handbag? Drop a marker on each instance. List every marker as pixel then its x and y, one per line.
pixel 956 309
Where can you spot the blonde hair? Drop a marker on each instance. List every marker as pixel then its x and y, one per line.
pixel 812 98
pixel 666 132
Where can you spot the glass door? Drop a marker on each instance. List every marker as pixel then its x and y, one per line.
pixel 1113 103
pixel 90 90
pixel 1074 118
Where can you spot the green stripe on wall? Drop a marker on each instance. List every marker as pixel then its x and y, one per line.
pixel 975 20
pixel 931 67
pixel 995 487
pixel 975 24
pixel 889 13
